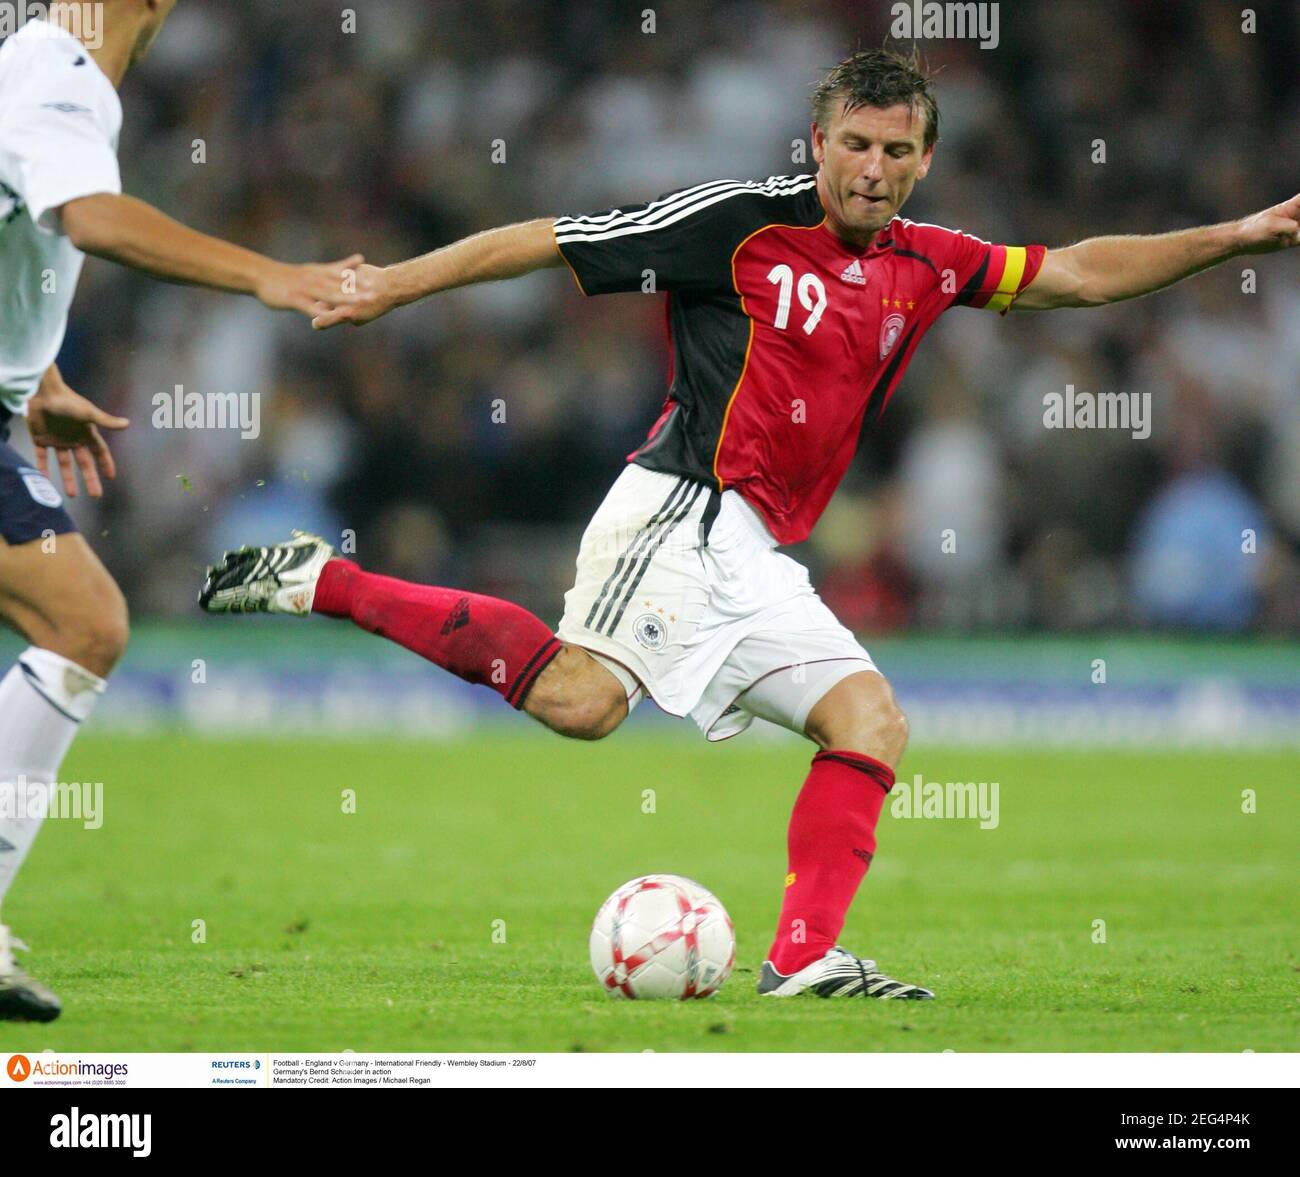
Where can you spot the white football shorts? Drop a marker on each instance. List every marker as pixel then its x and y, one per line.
pixel 681 593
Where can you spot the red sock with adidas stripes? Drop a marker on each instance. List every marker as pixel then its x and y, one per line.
pixel 480 639
pixel 831 841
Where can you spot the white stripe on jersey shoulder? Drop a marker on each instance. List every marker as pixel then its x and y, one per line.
pixel 945 228
pixel 660 214
pixel 605 220
pixel 660 211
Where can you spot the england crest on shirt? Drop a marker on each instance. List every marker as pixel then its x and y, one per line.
pixel 40 488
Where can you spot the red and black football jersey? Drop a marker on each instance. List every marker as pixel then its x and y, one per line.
pixel 784 337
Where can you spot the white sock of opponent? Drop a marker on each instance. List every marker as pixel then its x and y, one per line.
pixel 43 700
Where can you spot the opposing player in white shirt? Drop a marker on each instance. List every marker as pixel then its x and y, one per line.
pixel 60 198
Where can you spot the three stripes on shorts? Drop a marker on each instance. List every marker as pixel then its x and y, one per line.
pixel 634 561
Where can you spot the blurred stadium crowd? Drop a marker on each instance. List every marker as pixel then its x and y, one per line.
pixel 319 142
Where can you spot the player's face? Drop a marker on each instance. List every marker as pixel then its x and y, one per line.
pixel 157 12
pixel 869 162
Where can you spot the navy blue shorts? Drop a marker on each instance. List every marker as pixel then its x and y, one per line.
pixel 31 506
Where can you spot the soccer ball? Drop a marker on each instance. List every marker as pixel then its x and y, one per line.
pixel 662 936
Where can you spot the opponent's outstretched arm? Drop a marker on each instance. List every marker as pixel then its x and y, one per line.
pixel 1109 269
pixel 507 252
pixel 135 234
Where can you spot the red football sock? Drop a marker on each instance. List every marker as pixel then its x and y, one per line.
pixel 481 639
pixel 831 842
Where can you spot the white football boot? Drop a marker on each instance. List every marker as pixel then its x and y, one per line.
pixel 22 999
pixel 278 579
pixel 838 974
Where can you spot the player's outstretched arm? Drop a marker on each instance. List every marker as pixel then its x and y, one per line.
pixel 1109 269
pixel 133 233
pixel 508 252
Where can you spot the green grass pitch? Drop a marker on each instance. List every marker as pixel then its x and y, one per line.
pixel 374 930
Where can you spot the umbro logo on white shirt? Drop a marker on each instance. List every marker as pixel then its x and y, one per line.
pixel 65 107
pixel 11 204
pixel 853 274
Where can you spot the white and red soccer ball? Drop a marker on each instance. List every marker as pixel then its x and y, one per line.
pixel 662 936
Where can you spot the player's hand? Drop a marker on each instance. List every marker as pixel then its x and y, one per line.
pixel 373 282
pixel 307 288
pixel 1274 228
pixel 65 422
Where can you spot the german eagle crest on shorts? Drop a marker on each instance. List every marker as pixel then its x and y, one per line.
pixel 649 629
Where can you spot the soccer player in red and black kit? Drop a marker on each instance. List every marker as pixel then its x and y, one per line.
pixel 795 305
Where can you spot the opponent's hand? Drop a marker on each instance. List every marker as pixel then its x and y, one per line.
pixel 1274 228
pixel 308 288
pixel 379 300
pixel 65 422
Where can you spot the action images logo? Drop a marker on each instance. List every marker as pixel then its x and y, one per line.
pixel 20 1068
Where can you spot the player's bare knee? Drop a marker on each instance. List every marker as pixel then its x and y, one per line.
pixel 883 737
pixel 594 711
pixel 577 697
pixel 591 718
pixel 860 714
pixel 101 644
pixel 881 731
pixel 94 637
pixel 895 729
pixel 589 711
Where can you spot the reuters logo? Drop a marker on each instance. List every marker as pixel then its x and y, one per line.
pixel 18 1067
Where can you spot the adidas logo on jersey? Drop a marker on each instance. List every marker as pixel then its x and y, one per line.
pixel 853 274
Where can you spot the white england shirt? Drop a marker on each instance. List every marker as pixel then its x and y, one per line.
pixel 59 123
